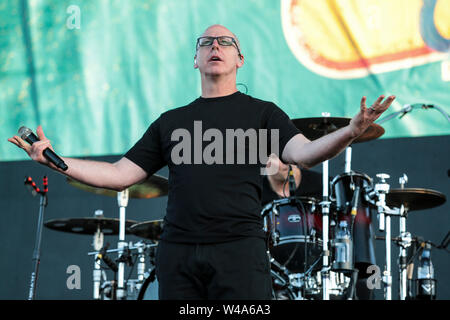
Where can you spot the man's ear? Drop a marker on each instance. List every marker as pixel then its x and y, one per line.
pixel 195 62
pixel 240 62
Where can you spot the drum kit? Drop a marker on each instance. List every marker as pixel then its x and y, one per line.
pixel 311 241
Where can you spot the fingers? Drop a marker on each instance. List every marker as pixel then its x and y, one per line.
pixel 40 133
pixel 388 102
pixel 363 103
pixel 19 142
pixel 35 151
pixel 379 106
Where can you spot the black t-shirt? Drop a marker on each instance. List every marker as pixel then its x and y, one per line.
pixel 211 202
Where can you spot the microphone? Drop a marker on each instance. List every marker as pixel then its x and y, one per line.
pixel 292 186
pixel 355 201
pixel 102 255
pixel 28 135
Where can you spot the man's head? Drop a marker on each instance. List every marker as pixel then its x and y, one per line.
pixel 218 56
pixel 278 169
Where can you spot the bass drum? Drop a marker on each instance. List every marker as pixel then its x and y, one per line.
pixel 149 289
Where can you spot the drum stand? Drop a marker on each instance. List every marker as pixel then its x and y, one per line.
pixel 122 199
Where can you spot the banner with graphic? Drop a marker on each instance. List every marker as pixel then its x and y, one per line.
pixel 96 73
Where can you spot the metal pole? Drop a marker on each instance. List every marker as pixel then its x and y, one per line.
pixel 37 249
pixel 402 258
pixel 325 230
pixel 348 159
pixel 122 199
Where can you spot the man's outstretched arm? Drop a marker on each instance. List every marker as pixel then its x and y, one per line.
pixel 117 176
pixel 307 154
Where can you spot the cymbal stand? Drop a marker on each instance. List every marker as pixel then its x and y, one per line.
pixel 325 232
pixel 97 244
pixel 405 242
pixel 122 199
pixel 325 228
pixel 348 159
pixel 384 215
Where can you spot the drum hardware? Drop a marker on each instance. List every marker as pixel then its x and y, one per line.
pixel 122 200
pixel 384 216
pixel 108 289
pixel 314 128
pixel 404 245
pixel 154 186
pixel 36 258
pixel 325 218
pixel 97 244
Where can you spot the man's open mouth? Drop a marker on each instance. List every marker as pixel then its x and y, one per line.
pixel 215 58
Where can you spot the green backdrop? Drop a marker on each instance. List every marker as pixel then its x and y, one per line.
pixel 95 89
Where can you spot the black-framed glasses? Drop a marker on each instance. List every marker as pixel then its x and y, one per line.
pixel 225 41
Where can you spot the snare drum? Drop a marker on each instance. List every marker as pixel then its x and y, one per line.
pixel 294 226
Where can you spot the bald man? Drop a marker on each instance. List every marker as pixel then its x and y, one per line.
pixel 213 246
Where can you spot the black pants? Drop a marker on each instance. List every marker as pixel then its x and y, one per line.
pixel 232 270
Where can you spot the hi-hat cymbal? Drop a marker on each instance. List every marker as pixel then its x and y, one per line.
pixel 314 128
pixel 414 198
pixel 109 226
pixel 155 186
pixel 149 229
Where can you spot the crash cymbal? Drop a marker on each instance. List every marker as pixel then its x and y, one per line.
pixel 414 198
pixel 153 187
pixel 314 128
pixel 149 229
pixel 109 226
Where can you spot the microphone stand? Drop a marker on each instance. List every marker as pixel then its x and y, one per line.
pixel 37 248
pixel 409 107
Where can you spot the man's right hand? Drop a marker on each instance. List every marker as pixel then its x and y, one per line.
pixel 35 151
pixel 116 176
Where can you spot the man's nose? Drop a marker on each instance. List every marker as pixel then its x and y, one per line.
pixel 215 43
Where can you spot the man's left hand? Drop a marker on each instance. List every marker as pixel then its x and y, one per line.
pixel 366 116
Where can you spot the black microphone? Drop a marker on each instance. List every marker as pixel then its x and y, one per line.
pixel 102 255
pixel 292 186
pixel 28 135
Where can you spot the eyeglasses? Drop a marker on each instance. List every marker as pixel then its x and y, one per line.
pixel 225 41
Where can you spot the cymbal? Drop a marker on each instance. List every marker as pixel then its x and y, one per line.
pixel 314 128
pixel 155 186
pixel 109 226
pixel 414 198
pixel 149 229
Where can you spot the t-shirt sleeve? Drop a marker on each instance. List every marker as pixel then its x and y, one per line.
pixel 278 119
pixel 147 152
